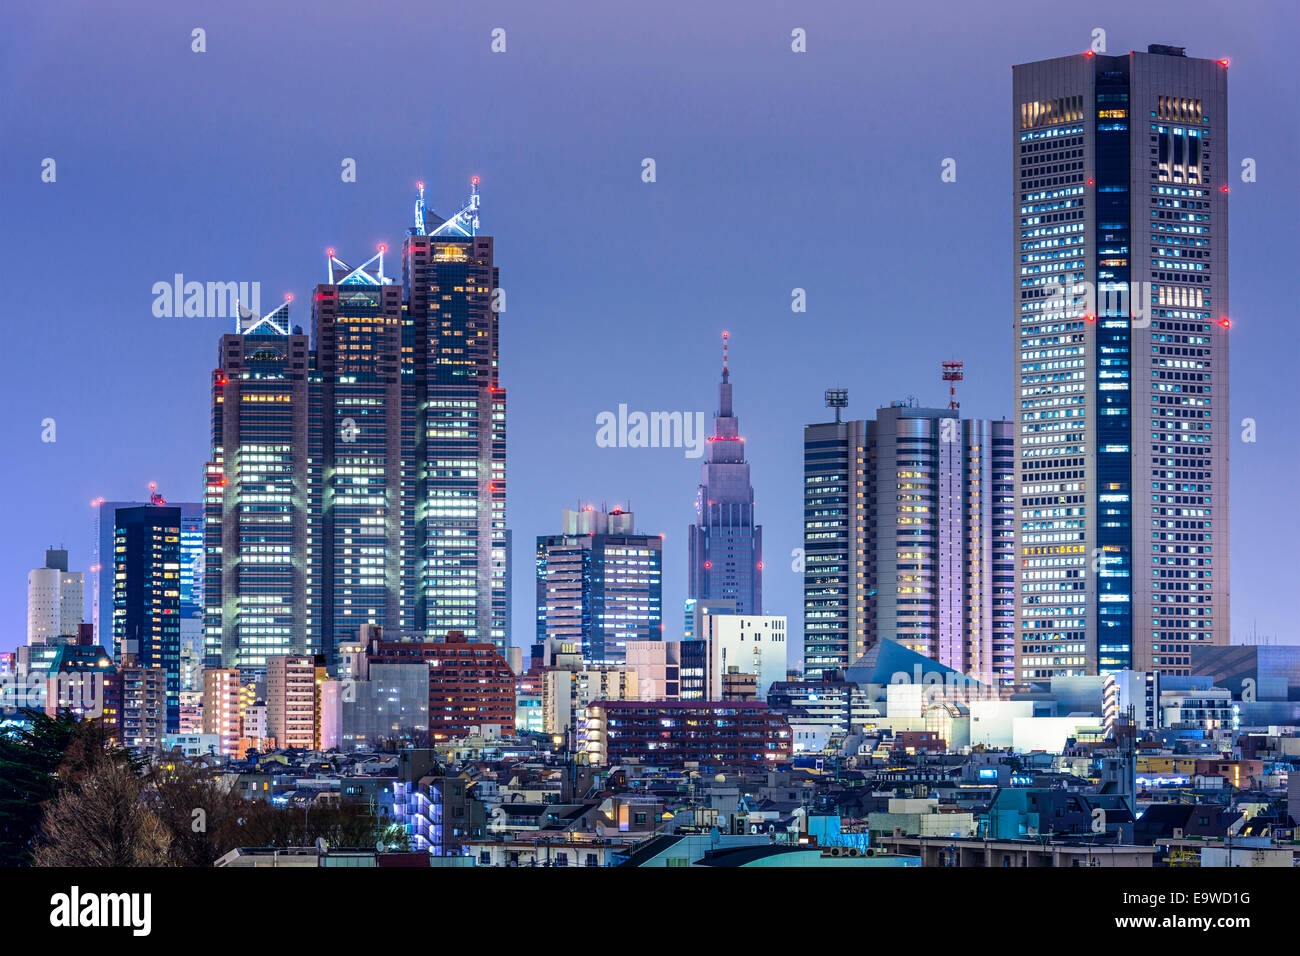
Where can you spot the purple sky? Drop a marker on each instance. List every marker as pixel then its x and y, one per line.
pixel 775 170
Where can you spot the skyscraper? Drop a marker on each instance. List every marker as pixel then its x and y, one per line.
pixel 1120 298
pixel 726 546
pixel 599 584
pixel 361 481
pixel 908 537
pixel 262 498
pixel 101 571
pixel 356 331
pixel 147 594
pixel 454 426
pixel 54 600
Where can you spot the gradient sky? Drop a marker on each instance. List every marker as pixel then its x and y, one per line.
pixel 775 170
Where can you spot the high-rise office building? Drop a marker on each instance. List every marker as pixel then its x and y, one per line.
pixel 356 332
pixel 101 576
pixel 454 424
pixel 147 594
pixel 54 600
pixel 360 482
pixel 908 537
pixel 262 498
pixel 725 545
pixel 599 584
pixel 1120 298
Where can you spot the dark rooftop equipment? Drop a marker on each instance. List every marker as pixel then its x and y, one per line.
pixel 1164 50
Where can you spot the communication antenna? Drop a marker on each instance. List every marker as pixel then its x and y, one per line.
pixel 837 398
pixel 952 372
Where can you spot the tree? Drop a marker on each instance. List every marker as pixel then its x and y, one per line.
pixel 202 815
pixel 29 758
pixel 102 820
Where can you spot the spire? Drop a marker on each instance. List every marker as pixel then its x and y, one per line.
pixel 724 390
pixel 419 210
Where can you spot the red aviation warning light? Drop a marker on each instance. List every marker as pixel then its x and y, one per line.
pixel 1225 322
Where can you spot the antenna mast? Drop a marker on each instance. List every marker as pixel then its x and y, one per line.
pixel 952 372
pixel 837 398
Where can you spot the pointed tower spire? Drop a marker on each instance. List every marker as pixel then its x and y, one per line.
pixel 724 390
pixel 725 545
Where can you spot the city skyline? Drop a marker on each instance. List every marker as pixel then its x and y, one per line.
pixel 660 360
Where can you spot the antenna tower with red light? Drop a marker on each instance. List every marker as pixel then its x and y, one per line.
pixel 952 372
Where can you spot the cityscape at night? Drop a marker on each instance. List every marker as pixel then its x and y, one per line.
pixel 502 437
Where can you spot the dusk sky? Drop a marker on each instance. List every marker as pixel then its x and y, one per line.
pixel 775 171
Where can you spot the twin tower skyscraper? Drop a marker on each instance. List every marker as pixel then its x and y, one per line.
pixel 359 477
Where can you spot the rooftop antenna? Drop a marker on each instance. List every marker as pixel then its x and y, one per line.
pixel 952 372
pixel 837 398
pixel 724 356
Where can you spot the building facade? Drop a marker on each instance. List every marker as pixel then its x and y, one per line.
pixel 54 600
pixel 714 733
pixel 221 708
pixel 262 543
pixel 101 569
pixel 147 594
pixel 470 683
pixel 599 584
pixel 1119 226
pixel 356 332
pixel 454 409
pixel 744 644
pixel 291 714
pixel 908 537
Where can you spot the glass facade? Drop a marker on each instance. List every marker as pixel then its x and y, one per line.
pixel 1120 307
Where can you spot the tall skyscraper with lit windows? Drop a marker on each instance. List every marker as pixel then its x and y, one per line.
pixel 1120 299
pixel 356 334
pixel 359 478
pixel 147 594
pixel 725 545
pixel 263 575
pixel 455 427
pixel 908 537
